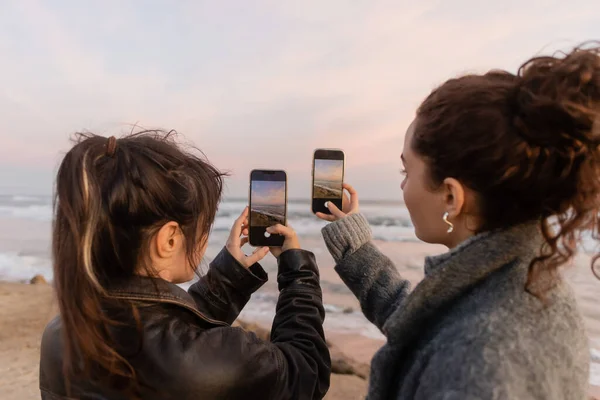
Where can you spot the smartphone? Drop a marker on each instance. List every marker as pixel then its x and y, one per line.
pixel 268 206
pixel 328 178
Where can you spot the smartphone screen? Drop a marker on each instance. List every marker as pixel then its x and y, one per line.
pixel 268 206
pixel 328 178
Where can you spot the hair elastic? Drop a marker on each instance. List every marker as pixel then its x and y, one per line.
pixel 111 146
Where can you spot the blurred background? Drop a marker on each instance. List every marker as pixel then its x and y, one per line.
pixel 253 84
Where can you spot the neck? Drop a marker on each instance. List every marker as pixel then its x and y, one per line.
pixel 163 274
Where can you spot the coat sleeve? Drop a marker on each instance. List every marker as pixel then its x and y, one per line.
pixel 223 292
pixel 368 273
pixel 230 363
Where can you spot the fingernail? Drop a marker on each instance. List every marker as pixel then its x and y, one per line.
pixel 327 204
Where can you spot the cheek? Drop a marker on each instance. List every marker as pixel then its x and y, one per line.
pixel 419 203
pixel 403 184
pixel 408 193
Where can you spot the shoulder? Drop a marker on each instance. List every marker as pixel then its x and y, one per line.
pixel 218 362
pixel 51 346
pixel 508 342
pixel 501 316
pixel 501 308
pixel 51 356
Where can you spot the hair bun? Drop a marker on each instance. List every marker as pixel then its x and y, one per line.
pixel 556 100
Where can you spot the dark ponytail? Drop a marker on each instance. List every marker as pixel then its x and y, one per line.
pixel 527 144
pixel 111 197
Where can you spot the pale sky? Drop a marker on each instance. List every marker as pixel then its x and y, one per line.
pixel 254 84
pixel 328 170
pixel 268 193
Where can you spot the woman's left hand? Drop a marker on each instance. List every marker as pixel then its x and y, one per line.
pixel 238 238
pixel 349 206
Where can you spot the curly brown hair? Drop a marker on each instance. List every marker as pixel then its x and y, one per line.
pixel 527 144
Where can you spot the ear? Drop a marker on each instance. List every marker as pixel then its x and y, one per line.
pixel 454 197
pixel 168 239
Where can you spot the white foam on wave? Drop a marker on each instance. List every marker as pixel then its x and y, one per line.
pixel 19 268
pixel 27 199
pixel 388 222
pixel 35 212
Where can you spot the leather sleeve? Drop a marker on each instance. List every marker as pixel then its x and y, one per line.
pixel 297 331
pixel 230 363
pixel 223 292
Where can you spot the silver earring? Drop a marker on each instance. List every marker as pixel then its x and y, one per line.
pixel 450 224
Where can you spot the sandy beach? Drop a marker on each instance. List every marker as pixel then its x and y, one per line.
pixel 321 192
pixel 261 219
pixel 27 308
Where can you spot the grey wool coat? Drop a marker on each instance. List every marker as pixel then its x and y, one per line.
pixel 468 330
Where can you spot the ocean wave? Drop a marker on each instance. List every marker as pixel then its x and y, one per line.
pixel 15 267
pixel 31 212
pixel 29 199
pixel 389 222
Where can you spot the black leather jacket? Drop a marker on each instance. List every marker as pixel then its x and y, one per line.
pixel 188 349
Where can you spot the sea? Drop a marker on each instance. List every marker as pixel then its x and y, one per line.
pixel 26 238
pixel 25 252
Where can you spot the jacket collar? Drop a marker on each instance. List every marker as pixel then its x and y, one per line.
pixel 450 275
pixel 156 290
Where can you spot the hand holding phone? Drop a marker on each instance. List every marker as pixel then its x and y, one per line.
pixel 349 206
pixel 328 180
pixel 237 239
pixel 290 241
pixel 268 206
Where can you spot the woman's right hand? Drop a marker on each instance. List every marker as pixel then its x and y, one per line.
pixel 349 206
pixel 290 242
pixel 238 237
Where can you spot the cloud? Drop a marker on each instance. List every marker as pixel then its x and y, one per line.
pixel 328 170
pixel 268 193
pixel 257 84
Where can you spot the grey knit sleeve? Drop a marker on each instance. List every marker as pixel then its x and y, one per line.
pixel 346 235
pixel 367 272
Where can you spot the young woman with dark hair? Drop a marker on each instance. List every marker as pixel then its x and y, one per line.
pixel 132 219
pixel 504 170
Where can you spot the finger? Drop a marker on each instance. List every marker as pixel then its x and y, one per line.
pixel 353 196
pixel 236 229
pixel 245 231
pixel 325 217
pixel 334 210
pixel 345 200
pixel 257 255
pixel 281 230
pixel 244 240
